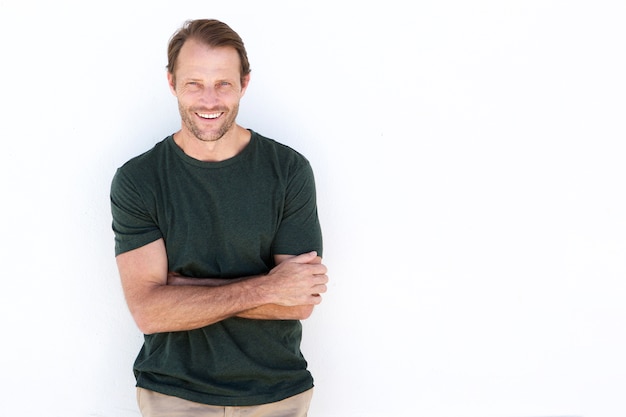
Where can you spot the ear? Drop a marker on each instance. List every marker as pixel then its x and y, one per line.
pixel 245 81
pixel 171 80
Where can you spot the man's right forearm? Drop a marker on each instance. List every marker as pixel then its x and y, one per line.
pixel 169 308
pixel 159 307
pixel 264 312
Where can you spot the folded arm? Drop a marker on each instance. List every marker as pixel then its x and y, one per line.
pixel 160 301
pixel 263 312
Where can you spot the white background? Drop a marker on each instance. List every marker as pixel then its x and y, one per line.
pixel 469 158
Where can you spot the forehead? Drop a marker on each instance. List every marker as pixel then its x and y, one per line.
pixel 198 58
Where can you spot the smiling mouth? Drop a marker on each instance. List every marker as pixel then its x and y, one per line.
pixel 209 116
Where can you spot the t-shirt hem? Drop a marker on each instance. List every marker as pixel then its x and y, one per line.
pixel 226 401
pixel 131 244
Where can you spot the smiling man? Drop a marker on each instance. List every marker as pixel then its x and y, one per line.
pixel 218 245
pixel 208 85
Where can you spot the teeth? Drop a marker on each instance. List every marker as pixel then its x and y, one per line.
pixel 209 115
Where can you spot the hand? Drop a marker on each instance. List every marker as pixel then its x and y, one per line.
pixel 298 280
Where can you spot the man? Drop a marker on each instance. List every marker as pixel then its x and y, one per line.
pixel 218 246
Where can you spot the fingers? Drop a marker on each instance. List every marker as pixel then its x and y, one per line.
pixel 316 260
pixel 319 288
pixel 305 264
pixel 304 258
pixel 298 280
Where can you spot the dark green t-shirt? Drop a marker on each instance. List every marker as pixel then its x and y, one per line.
pixel 221 220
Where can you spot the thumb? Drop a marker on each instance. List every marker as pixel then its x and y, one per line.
pixel 304 258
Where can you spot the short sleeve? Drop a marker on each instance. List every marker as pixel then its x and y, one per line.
pixel 299 230
pixel 133 224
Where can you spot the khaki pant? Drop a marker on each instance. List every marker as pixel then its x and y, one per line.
pixel 154 404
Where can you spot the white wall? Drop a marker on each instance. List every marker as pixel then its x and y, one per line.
pixel 469 160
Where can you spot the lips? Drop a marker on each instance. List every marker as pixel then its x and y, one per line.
pixel 210 116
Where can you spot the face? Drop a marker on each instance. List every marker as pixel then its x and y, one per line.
pixel 208 86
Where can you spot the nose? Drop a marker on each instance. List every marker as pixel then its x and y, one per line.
pixel 209 95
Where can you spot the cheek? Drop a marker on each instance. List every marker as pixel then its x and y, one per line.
pixel 230 96
pixel 186 97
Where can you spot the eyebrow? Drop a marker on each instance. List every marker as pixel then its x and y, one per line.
pixel 200 78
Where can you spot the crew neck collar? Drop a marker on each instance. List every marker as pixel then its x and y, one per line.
pixel 208 164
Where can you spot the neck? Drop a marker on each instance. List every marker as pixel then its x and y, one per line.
pixel 226 147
